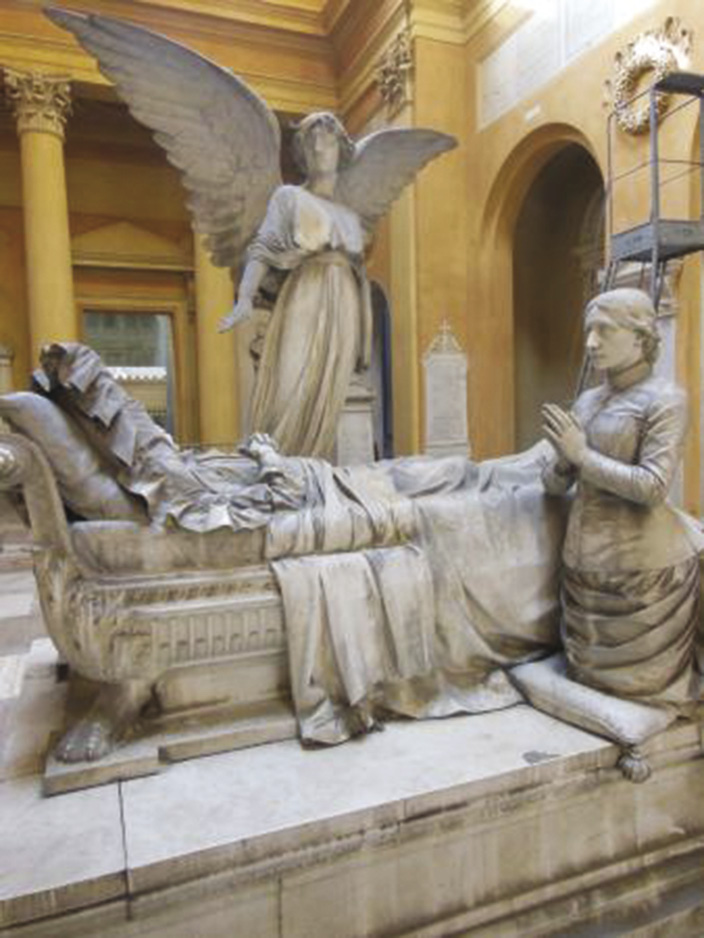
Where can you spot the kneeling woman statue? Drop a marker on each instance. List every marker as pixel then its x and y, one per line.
pixel 631 575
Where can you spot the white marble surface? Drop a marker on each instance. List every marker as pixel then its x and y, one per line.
pixel 275 840
pixel 224 803
pixel 16 604
pixel 28 718
pixel 57 853
pixel 20 615
pixel 11 675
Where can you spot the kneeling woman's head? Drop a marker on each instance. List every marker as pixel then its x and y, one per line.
pixel 620 329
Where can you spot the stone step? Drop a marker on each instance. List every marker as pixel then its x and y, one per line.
pixel 20 614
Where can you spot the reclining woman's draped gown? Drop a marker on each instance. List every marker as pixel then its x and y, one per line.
pixel 320 327
pixel 630 583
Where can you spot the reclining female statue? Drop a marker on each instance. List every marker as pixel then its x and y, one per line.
pixel 391 576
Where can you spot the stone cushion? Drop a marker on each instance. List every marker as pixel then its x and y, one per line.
pixel 547 687
pixel 83 483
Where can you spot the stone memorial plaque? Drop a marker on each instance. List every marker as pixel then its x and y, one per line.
pixel 355 429
pixel 445 367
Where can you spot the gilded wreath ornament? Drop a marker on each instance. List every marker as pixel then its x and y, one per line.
pixel 662 52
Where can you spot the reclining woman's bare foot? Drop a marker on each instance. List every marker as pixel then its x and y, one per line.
pixel 114 711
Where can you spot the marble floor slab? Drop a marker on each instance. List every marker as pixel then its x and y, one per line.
pixel 58 854
pixel 11 676
pixel 20 615
pixel 146 846
pixel 271 794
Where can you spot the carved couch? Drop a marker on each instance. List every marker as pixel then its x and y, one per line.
pixel 198 617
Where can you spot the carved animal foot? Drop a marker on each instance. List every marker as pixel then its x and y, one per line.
pixel 114 711
pixel 87 741
pixel 633 765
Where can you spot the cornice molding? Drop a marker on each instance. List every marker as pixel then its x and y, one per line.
pixel 366 30
pixel 305 18
pixel 365 33
pixel 480 14
pixel 342 40
pixel 333 14
pixel 125 245
pixel 56 55
pixel 441 20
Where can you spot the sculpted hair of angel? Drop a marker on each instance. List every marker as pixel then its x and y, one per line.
pixel 304 244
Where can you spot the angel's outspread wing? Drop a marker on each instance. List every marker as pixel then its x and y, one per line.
pixel 384 164
pixel 215 129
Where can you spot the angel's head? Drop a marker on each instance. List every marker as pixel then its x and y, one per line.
pixel 321 144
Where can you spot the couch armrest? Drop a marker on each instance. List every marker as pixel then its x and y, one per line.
pixel 23 464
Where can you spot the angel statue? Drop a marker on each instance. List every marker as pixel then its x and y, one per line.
pixel 301 245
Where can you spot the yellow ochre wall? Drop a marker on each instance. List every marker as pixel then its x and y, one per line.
pixel 502 162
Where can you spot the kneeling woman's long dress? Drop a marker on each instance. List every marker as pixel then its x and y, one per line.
pixel 631 575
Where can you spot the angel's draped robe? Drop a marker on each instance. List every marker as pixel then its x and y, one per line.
pixel 321 325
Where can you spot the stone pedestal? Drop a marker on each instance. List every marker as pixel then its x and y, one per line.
pixel 500 824
pixel 355 429
pixel 445 366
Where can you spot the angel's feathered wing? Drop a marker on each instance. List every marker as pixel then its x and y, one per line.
pixel 215 129
pixel 383 165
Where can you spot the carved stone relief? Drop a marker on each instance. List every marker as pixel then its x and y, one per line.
pixel 394 73
pixel 40 102
pixel 657 51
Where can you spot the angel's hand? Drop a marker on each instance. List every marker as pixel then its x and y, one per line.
pixel 241 311
pixel 565 433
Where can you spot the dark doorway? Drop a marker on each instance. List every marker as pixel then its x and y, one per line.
pixel 381 374
pixel 558 251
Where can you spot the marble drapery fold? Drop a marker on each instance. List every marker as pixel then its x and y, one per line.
pixel 320 329
pixel 630 589
pixel 197 491
pixel 422 629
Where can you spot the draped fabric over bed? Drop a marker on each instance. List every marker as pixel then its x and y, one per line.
pixel 423 628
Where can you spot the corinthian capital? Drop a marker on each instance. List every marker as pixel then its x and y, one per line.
pixel 40 102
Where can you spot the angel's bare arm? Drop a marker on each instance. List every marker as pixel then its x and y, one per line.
pixel 254 273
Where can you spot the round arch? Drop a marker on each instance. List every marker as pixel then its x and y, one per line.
pixel 515 178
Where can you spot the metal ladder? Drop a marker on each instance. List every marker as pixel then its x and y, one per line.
pixel 659 240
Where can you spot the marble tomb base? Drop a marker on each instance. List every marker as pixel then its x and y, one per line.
pixel 504 824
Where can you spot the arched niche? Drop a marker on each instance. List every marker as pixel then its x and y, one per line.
pixel 557 252
pixel 541 245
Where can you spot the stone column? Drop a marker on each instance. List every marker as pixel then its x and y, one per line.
pixel 41 104
pixel 6 357
pixel 218 397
